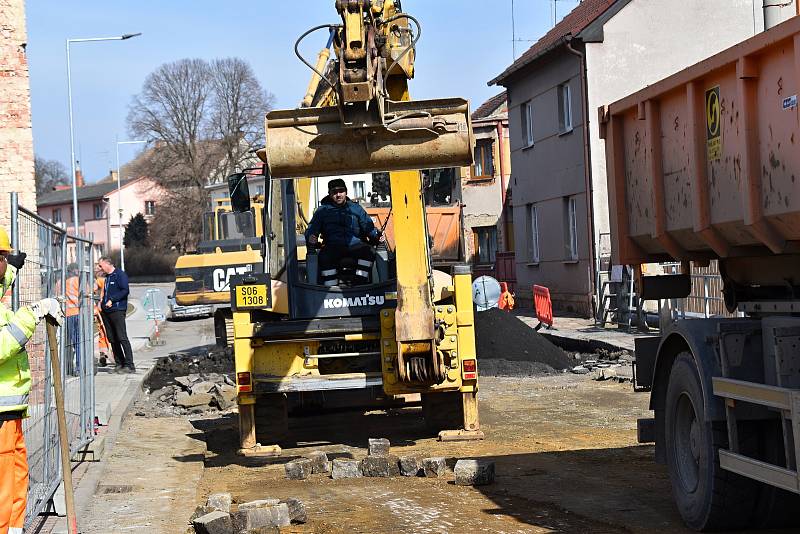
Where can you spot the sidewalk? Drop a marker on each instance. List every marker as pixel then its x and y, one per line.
pixel 114 395
pixel 578 334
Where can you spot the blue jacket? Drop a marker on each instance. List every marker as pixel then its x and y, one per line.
pixel 347 224
pixel 116 290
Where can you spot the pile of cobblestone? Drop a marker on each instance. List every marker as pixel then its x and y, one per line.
pixel 380 463
pixel 220 515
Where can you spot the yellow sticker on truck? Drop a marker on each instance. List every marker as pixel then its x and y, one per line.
pixel 251 296
pixel 713 124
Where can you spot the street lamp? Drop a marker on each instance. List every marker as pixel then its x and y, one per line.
pixel 71 127
pixel 119 202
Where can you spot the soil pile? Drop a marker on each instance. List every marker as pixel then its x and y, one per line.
pixel 501 336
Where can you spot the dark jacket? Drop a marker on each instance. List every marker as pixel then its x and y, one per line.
pixel 116 290
pixel 347 224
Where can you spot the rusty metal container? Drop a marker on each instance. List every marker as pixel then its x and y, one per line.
pixel 419 134
pixel 706 163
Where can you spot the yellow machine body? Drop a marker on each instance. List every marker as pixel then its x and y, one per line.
pixel 426 344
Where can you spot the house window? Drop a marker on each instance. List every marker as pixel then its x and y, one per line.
pixel 484 159
pixel 259 190
pixel 565 107
pixel 98 211
pixel 533 234
pixel 527 123
pixel 57 215
pixel 485 243
pixel 149 207
pixel 72 214
pixel 358 190
pixel 571 242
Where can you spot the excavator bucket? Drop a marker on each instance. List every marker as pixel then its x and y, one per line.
pixel 420 134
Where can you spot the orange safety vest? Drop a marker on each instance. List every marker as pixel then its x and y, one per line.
pixel 73 293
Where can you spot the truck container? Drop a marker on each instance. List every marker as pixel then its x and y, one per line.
pixel 703 165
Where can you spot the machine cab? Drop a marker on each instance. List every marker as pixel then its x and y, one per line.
pixel 359 287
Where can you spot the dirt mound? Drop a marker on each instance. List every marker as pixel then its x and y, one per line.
pixel 500 335
pixel 503 367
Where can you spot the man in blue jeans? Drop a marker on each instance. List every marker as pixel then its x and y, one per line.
pixel 114 306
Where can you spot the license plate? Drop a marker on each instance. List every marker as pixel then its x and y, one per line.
pixel 251 296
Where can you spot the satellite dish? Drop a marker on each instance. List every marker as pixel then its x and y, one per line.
pixel 485 292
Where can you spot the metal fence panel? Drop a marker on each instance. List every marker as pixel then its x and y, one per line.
pixel 59 266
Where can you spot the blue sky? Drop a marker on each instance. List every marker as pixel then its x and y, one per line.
pixel 464 44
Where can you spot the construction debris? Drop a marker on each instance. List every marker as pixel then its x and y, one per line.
pixel 434 467
pixel 375 466
pixel 220 501
pixel 190 383
pixel 378 447
pixel 319 462
pixel 299 469
pixel 410 466
pixel 276 515
pixel 213 523
pixel 345 468
pixel 474 472
pixel 297 510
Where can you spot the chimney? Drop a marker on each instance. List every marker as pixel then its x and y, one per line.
pixel 78 175
pixel 114 176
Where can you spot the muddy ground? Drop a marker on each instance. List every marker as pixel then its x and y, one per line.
pixel 564 446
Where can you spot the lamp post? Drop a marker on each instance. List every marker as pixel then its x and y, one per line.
pixel 71 126
pixel 119 202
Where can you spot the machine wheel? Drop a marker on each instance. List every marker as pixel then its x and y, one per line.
pixel 708 497
pixel 443 411
pixel 223 327
pixel 272 418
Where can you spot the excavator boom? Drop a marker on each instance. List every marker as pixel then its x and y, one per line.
pixel 372 125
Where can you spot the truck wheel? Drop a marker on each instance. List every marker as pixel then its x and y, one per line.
pixel 272 418
pixel 443 411
pixel 708 497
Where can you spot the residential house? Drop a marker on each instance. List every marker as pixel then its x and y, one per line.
pixel 485 190
pixel 601 51
pixel 103 209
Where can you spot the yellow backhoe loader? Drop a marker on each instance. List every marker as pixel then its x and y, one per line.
pixel 409 330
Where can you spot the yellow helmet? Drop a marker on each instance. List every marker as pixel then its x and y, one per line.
pixel 5 243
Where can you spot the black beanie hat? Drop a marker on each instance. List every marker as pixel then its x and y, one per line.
pixel 336 183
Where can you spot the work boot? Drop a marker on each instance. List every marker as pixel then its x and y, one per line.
pixel 128 370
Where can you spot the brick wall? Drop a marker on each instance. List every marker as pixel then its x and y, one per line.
pixel 16 138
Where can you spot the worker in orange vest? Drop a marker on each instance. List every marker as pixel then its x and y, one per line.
pixel 72 311
pixel 16 328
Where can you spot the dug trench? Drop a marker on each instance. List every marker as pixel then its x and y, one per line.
pixel 564 446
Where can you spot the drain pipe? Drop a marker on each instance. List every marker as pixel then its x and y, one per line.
pixel 501 152
pixel 587 166
pixel 773 11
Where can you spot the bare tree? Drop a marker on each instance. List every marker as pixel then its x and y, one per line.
pixel 48 173
pixel 239 107
pixel 205 120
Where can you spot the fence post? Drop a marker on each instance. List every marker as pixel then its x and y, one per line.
pixel 14 244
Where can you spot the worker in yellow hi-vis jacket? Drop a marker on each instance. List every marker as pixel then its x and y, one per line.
pixel 15 384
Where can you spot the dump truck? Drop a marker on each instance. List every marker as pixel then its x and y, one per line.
pixel 704 165
pixel 408 330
